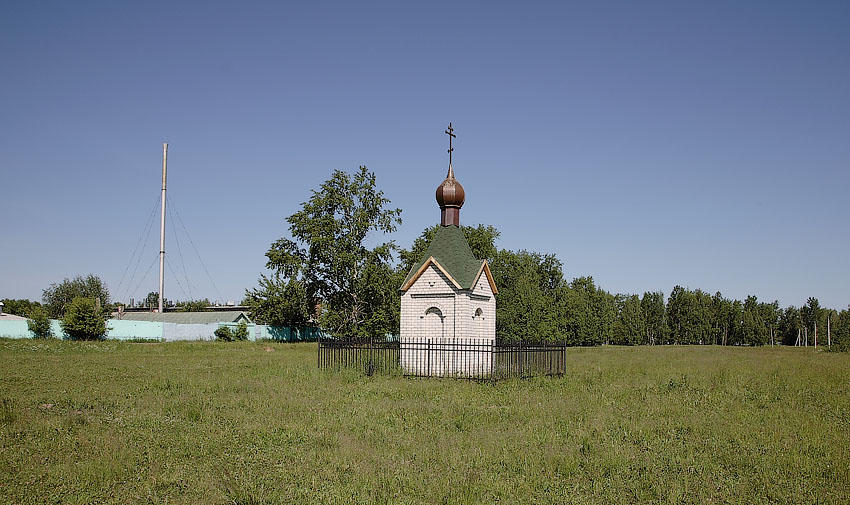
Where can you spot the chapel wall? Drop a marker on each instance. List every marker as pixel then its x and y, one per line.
pixel 431 289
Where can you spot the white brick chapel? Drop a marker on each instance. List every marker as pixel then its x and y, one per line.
pixel 448 300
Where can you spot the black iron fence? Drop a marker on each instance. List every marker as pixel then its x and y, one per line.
pixel 367 355
pixel 527 359
pixel 471 358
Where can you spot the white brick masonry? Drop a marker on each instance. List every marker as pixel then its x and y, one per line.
pixel 433 309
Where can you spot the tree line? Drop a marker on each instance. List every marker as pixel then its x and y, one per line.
pixel 327 273
pixel 334 271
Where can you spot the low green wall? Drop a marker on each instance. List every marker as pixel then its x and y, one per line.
pixel 14 329
pixel 287 334
pixel 123 329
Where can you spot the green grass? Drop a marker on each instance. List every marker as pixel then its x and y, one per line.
pixel 249 423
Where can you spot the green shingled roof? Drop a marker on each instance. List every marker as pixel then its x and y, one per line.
pixel 452 252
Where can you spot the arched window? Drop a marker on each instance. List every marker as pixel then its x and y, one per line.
pixel 433 323
pixel 478 315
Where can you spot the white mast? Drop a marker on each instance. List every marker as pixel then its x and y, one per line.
pixel 162 228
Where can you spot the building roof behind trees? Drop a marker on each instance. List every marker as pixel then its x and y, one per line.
pixel 217 316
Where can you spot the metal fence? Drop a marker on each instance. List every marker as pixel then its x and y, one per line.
pixel 469 358
pixel 367 355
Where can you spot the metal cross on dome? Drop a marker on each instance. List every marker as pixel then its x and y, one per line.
pixel 450 133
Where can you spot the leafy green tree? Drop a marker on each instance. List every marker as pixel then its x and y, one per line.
pixel 811 314
pixel 192 305
pixel 753 327
pixel 690 316
pixel 717 326
pixel 705 317
pixel 605 310
pixel 736 323
pixel 630 325
pixel 21 307
pixel 588 312
pixel 526 310
pixel 38 322
pixel 790 325
pixel 654 310
pixel 329 254
pixel 278 302
pixel 828 319
pixel 726 319
pixel 85 319
pixel 58 297
pixel 770 313
pixel 678 307
pixel 152 300
pixel 841 331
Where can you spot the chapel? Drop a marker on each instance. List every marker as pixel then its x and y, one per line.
pixel 448 296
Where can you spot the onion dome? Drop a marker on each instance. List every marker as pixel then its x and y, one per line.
pixel 450 198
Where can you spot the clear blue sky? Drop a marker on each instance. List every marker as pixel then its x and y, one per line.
pixel 647 144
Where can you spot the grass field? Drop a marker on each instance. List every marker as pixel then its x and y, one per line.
pixel 249 423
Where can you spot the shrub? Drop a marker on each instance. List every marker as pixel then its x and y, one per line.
pixel 38 323
pixel 84 320
pixel 225 334
pixel 241 331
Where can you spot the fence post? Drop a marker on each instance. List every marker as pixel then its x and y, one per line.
pixel 564 359
pixel 492 345
pixel 369 357
pixel 428 357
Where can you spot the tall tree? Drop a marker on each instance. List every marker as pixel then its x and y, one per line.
pixel 736 310
pixel 790 325
pixel 690 316
pixel 841 331
pixel 811 313
pixel 279 302
pixel 654 310
pixel 717 320
pixel 630 325
pixel 753 327
pixel 22 307
pixel 575 317
pixel 152 300
pixel 770 313
pixel 725 320
pixel 827 318
pixel 329 253
pixel 590 312
pixel 527 283
pixel 677 314
pixel 58 297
